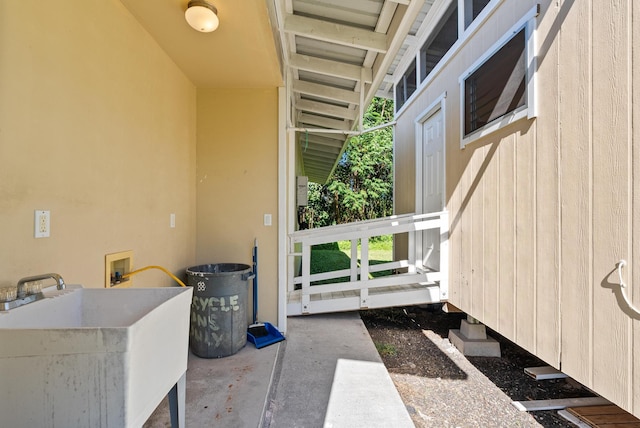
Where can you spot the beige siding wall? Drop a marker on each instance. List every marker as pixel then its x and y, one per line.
pixel 97 125
pixel 542 210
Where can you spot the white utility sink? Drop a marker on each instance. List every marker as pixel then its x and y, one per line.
pixel 85 357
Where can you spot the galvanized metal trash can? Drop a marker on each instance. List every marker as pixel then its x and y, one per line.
pixel 218 309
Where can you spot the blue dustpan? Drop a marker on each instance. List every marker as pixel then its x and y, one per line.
pixel 263 334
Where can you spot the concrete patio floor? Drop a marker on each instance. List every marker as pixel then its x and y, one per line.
pixel 326 373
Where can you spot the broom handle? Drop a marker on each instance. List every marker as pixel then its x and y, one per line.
pixel 255 281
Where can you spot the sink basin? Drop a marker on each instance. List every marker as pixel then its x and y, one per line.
pixel 92 357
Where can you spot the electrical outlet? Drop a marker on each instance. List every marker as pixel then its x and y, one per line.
pixel 42 224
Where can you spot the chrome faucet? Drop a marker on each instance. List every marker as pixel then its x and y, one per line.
pixel 59 282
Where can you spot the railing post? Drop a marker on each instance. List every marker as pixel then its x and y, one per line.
pixel 306 278
pixel 291 266
pixel 412 253
pixel 444 256
pixel 354 260
pixel 364 272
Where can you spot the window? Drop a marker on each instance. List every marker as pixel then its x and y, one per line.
pixel 406 86
pixel 472 9
pixel 437 46
pixel 499 88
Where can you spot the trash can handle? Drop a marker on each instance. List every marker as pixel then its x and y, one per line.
pixel 248 275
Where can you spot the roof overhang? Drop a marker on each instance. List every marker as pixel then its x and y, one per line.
pixel 336 56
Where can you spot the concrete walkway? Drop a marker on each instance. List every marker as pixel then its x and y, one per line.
pixel 327 373
pixel 331 375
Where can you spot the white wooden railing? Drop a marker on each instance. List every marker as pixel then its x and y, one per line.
pixel 410 271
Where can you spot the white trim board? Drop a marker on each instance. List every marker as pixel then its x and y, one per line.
pixel 559 404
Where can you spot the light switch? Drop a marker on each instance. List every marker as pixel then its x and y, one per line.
pixel 267 219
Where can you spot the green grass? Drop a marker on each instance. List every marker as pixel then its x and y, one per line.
pixel 336 256
pixel 380 248
pixel 386 349
pixel 328 260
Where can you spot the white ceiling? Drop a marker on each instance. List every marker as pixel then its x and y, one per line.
pixel 333 56
pixel 240 54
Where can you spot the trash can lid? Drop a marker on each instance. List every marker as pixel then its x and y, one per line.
pixel 218 269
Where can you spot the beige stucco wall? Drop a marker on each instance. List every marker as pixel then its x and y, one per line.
pixel 237 183
pixel 97 125
pixel 542 210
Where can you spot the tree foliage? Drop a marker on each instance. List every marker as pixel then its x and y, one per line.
pixel 361 186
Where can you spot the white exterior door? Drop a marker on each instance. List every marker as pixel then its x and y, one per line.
pixel 433 173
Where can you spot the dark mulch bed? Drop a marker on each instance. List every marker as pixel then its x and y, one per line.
pixel 401 338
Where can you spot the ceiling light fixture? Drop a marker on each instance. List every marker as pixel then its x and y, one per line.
pixel 202 16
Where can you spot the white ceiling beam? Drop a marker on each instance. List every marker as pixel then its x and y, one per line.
pixel 333 150
pixel 333 136
pixel 382 26
pixel 321 170
pixel 335 33
pixel 329 68
pixel 324 122
pixel 319 165
pixel 324 91
pixel 320 153
pixel 386 15
pixel 326 109
pixel 339 137
pixel 323 164
pixel 382 94
pixel 316 139
pixel 319 150
pixel 404 26
pixel 319 162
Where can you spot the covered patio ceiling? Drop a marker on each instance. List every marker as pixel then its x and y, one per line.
pixel 337 56
pixel 333 56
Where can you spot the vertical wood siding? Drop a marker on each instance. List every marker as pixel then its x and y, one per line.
pixel 612 350
pixel 542 210
pixel 633 274
pixel 576 240
pixel 506 161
